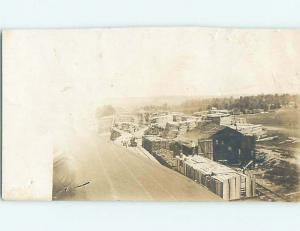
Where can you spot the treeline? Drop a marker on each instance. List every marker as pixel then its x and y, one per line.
pixel 244 103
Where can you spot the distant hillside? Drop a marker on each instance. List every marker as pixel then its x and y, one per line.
pixel 189 104
pixel 287 117
pixel 130 103
pixel 242 103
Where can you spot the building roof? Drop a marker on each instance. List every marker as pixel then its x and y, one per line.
pixel 217 115
pixel 210 167
pixel 153 138
pixel 180 123
pixel 159 116
pixel 247 129
pixel 205 131
pixel 208 129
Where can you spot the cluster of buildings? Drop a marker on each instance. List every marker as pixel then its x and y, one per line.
pixel 207 147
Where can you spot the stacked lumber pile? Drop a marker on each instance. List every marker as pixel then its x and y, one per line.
pixel 220 179
pixel 153 143
pixel 166 158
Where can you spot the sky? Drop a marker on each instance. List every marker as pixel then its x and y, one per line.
pixel 70 72
pixel 187 61
pixel 117 63
pixel 193 62
pixel 62 74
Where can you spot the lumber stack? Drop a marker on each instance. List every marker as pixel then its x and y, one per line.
pixel 220 179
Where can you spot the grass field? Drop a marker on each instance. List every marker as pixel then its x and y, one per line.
pixel 286 118
pixel 282 168
pixel 283 123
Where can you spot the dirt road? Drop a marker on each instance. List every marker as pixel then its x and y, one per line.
pixel 116 173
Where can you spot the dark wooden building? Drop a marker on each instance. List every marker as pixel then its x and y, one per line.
pixel 233 147
pixel 222 143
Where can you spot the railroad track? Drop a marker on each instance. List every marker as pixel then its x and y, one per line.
pixel 270 195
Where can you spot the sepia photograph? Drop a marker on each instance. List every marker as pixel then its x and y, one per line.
pixel 152 114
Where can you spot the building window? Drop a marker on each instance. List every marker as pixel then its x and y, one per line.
pixel 222 142
pixel 229 148
pixel 217 142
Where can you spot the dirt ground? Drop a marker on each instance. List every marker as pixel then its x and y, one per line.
pixel 116 173
pixel 287 118
pixel 278 165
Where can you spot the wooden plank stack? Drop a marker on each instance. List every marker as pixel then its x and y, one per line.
pixel 220 179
